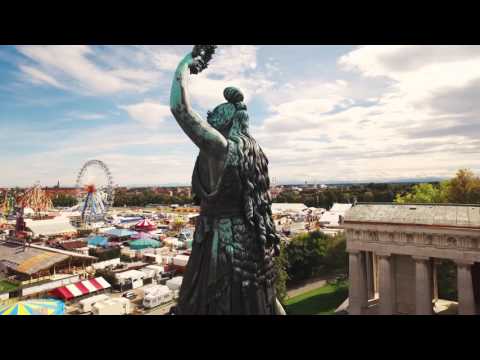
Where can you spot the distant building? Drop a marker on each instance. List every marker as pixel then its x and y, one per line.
pixel 163 191
pixel 287 207
pixel 52 227
pixel 333 218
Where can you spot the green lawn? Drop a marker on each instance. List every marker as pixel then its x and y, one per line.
pixel 6 286
pixel 321 301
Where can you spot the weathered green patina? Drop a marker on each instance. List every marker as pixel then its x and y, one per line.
pixel 231 267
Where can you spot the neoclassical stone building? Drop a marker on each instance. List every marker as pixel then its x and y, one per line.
pixel 393 251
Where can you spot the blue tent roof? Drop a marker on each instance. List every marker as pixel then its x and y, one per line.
pixel 98 241
pixel 120 232
pixel 144 244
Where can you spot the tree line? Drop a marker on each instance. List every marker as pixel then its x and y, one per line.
pixel 464 188
pixel 144 197
pixel 325 198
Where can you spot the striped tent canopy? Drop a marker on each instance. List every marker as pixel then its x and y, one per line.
pixel 145 224
pixel 34 307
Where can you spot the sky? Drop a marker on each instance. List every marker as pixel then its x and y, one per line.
pixel 321 113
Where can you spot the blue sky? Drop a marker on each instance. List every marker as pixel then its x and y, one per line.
pixel 321 113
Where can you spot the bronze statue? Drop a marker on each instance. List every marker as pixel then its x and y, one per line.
pixel 231 266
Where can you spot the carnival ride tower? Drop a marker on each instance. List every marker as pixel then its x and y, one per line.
pixel 34 198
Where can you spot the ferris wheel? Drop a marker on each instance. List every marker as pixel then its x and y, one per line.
pixel 96 190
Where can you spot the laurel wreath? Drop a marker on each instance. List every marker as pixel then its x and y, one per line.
pixel 202 54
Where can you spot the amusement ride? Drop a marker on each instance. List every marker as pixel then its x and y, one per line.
pixel 8 205
pixel 34 198
pixel 96 191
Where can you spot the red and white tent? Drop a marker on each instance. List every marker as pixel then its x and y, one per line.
pixel 81 288
pixel 145 224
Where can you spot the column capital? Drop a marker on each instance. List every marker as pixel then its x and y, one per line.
pixel 383 254
pixel 353 251
pixel 464 263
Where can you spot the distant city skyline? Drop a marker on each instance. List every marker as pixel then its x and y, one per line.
pixel 416 180
pixel 334 114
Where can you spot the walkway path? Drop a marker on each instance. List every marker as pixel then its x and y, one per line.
pixel 308 285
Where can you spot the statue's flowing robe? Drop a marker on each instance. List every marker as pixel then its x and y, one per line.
pixel 229 271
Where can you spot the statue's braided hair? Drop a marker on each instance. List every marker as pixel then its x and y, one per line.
pixel 253 169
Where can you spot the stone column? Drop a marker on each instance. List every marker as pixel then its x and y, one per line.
pixel 369 275
pixel 386 285
pixel 466 300
pixel 375 275
pixel 357 295
pixel 435 262
pixel 423 286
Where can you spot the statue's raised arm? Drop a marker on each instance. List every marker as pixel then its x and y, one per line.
pixel 206 137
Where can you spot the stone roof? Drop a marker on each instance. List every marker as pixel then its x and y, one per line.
pixel 453 215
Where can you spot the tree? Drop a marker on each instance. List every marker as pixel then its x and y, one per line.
pixel 178 224
pixel 64 201
pixel 305 253
pixel 336 259
pixel 425 193
pixel 368 196
pixel 313 253
pixel 464 188
pixel 447 280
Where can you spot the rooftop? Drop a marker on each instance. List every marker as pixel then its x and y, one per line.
pixel 451 215
pixel 50 227
pixel 28 260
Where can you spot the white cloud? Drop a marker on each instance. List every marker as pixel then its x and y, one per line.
pixel 230 66
pixel 148 113
pixel 379 140
pixel 40 77
pixel 86 116
pixel 74 67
